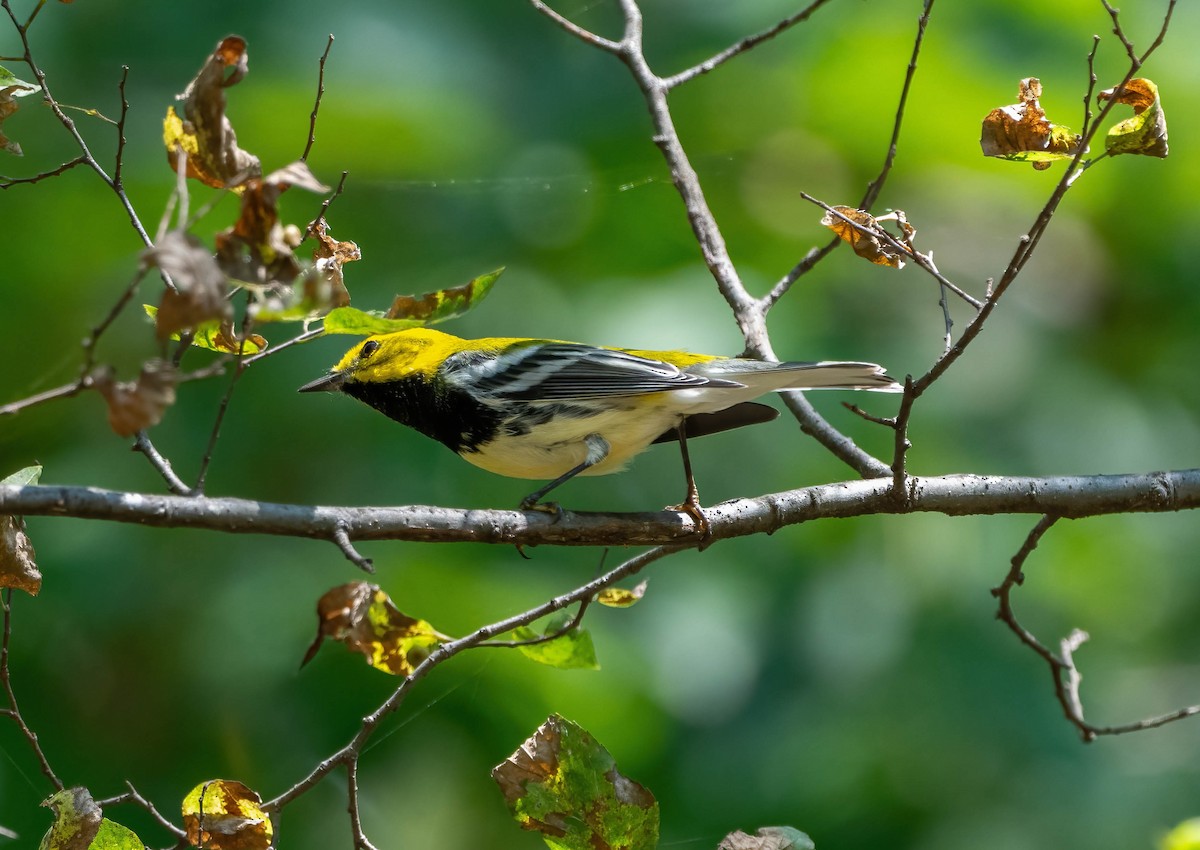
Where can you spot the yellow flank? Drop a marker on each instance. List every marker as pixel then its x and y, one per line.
pixel 420 351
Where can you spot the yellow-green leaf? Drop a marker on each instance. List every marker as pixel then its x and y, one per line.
pixel 1146 132
pixel 572 650
pixel 223 814
pixel 76 820
pixel 619 597
pixel 361 616
pixel 218 335
pixel 444 303
pixel 114 836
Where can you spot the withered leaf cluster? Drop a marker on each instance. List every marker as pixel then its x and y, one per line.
pixel 1021 131
pixel 258 249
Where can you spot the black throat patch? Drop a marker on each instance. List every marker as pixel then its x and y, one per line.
pixel 447 415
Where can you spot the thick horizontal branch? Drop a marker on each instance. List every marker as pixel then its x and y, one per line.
pixel 954 495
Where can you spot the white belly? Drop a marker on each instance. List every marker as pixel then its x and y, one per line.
pixel 559 446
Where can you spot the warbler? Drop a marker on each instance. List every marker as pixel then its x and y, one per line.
pixel 546 409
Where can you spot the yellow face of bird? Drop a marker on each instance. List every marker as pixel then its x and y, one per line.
pixel 391 357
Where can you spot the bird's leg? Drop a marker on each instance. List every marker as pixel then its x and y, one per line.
pixel 597 450
pixel 691 503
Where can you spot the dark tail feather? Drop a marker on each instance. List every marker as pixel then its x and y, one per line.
pixel 702 424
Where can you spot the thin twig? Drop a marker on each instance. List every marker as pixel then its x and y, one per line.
pixel 576 30
pixel 1063 669
pixel 871 195
pixel 161 464
pixel 222 409
pixel 1091 86
pixel 887 421
pixel 312 118
pixel 14 710
pixel 89 342
pixel 361 842
pixel 65 391
pixel 341 537
pixel 742 46
pixel 68 122
pixel 119 164
pixel 6 182
pixel 326 204
pixel 1115 13
pixel 134 797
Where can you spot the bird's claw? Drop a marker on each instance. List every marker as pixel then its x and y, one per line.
pixel 553 508
pixel 696 514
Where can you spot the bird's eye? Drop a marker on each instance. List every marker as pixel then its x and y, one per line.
pixel 369 348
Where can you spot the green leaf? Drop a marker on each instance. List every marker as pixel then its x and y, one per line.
pixel 351 320
pixel 217 335
pixel 562 783
pixel 28 475
pixel 113 836
pixel 572 650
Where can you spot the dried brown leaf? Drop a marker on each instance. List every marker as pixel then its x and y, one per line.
pixel 137 405
pixel 200 285
pixel 328 258
pixel 204 132
pixel 865 239
pixel 17 566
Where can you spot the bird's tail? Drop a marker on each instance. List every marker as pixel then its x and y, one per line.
pixel 827 374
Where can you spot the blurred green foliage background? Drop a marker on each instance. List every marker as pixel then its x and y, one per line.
pixel 846 677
